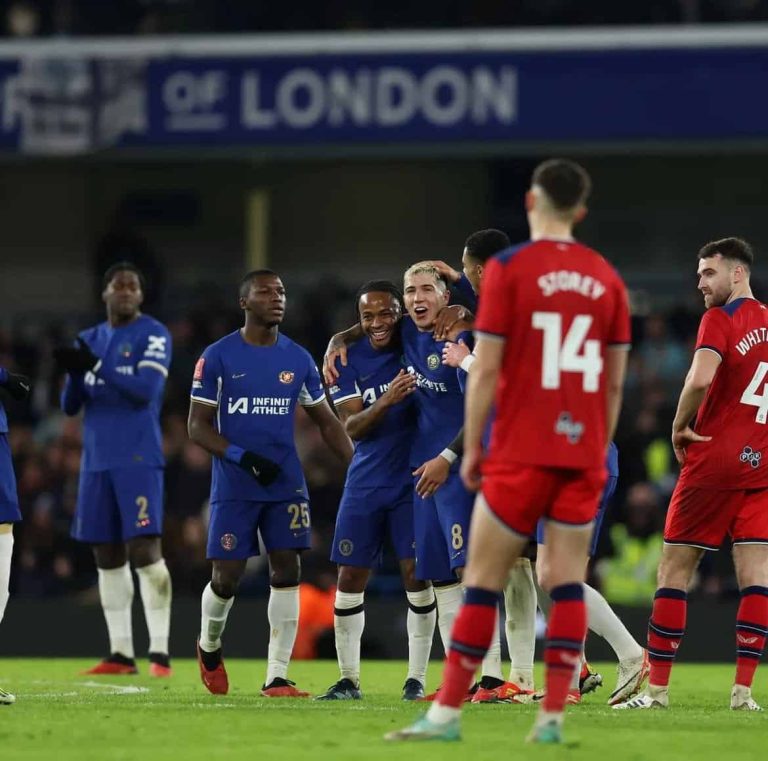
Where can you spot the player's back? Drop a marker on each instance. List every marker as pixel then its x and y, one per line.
pixel 558 305
pixel 735 410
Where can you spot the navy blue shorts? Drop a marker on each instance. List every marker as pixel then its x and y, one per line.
pixel 366 517
pixel 235 525
pixel 441 528
pixel 608 492
pixel 116 505
pixel 9 499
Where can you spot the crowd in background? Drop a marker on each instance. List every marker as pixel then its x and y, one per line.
pixel 47 449
pixel 67 18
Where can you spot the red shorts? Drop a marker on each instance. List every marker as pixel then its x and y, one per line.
pixel 521 498
pixel 701 517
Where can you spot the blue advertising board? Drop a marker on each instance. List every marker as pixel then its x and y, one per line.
pixel 77 104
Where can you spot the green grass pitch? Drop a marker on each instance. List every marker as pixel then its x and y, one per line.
pixel 60 715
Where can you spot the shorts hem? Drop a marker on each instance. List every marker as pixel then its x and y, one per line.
pixel 749 540
pixel 568 524
pixel 692 543
pixel 523 535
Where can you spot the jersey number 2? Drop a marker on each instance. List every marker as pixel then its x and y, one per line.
pixel 751 397
pixel 572 354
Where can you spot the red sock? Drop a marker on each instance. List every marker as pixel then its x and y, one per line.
pixel 665 630
pixel 751 631
pixel 566 631
pixel 470 637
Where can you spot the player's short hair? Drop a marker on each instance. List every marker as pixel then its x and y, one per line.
pixel 484 244
pixel 566 184
pixel 248 278
pixel 123 267
pixel 378 286
pixel 735 249
pixel 426 268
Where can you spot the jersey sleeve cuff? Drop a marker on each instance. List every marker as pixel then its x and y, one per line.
pixel 312 402
pixel 490 336
pixel 707 347
pixel 203 400
pixel 345 398
pixel 155 366
pixel 625 345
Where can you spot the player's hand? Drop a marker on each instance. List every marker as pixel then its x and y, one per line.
pixel 433 474
pixel 448 272
pixel 337 349
pixel 78 359
pixel 446 320
pixel 263 470
pixel 455 353
pixel 402 385
pixel 18 386
pixel 470 469
pixel 682 438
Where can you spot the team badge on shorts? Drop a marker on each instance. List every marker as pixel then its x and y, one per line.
pixel 346 547
pixel 228 541
pixel 749 455
pixel 286 376
pixel 433 361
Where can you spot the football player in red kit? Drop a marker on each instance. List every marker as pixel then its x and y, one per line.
pixel 723 485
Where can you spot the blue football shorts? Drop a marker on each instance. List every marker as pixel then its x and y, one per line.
pixel 441 529
pixel 366 517
pixel 117 505
pixel 235 525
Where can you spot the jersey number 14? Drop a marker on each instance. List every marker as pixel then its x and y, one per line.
pixel 573 354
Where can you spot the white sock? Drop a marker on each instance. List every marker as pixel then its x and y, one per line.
pixel 449 601
pixel 155 589
pixel 283 615
pixel 520 625
pixel 116 592
pixel 6 551
pixel 348 629
pixel 491 665
pixel 421 631
pixel 213 619
pixel 440 714
pixel 606 624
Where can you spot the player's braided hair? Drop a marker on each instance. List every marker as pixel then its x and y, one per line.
pixel 381 286
pixel 123 267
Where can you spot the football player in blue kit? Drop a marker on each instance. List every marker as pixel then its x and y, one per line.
pixel 373 398
pixel 117 374
pixel 244 394
pixel 18 388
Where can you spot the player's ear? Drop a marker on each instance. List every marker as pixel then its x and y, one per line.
pixel 581 212
pixel 530 200
pixel 241 301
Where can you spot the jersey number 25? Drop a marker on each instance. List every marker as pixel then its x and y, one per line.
pixel 573 354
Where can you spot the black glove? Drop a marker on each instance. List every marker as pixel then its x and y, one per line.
pixel 18 386
pixel 75 360
pixel 263 470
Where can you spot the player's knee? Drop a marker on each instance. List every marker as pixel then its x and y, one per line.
pixel 353 580
pixel 284 569
pixel 144 551
pixel 109 556
pixel 224 582
pixel 410 582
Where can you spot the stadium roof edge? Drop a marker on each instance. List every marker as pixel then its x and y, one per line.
pixel 411 41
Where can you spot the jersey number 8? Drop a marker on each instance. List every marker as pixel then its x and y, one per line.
pixel 574 354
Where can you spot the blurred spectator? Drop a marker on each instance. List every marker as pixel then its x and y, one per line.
pixel 22 19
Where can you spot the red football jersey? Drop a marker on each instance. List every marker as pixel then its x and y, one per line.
pixel 735 410
pixel 557 304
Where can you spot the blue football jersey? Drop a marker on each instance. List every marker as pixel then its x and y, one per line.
pixel 439 397
pixel 123 397
pixel 382 457
pixel 467 292
pixel 255 390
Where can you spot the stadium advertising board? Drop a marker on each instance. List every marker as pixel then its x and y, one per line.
pixel 76 99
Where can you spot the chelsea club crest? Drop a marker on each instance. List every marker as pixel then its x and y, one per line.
pixel 433 361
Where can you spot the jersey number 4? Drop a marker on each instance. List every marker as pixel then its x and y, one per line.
pixel 573 354
pixel 751 397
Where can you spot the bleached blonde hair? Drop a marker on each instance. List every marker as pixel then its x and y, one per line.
pixel 426 268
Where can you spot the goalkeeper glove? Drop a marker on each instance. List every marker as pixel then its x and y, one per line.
pixel 263 470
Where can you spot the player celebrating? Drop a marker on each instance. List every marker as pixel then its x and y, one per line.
pixel 18 387
pixel 244 394
pixel 723 484
pixel 373 398
pixel 553 329
pixel 117 373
